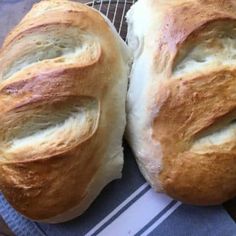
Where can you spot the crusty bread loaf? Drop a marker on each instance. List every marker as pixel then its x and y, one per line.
pixel 182 97
pixel 63 80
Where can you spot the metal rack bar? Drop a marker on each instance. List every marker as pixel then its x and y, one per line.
pixel 115 10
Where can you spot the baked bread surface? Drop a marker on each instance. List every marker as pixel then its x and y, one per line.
pixel 63 81
pixel 182 97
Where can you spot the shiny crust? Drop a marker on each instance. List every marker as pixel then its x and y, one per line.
pixel 62 110
pixel 185 106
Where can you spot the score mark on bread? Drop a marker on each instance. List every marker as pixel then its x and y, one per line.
pixel 55 127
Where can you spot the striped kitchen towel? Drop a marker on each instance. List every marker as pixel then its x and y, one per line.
pixel 130 207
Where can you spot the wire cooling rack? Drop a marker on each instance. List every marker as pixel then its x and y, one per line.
pixel 115 10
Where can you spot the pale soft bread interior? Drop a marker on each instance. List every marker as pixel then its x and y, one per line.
pixel 75 119
pixel 216 48
pixel 50 47
pixel 210 142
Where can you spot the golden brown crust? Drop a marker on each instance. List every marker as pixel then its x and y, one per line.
pixel 59 103
pixel 186 17
pixel 199 178
pixel 31 190
pixel 189 106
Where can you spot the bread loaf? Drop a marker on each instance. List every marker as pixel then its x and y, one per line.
pixel 182 97
pixel 63 81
